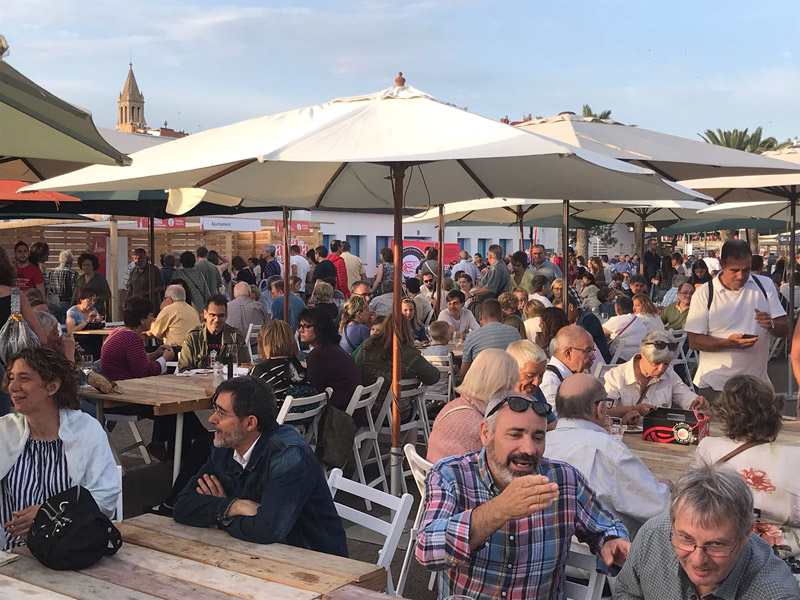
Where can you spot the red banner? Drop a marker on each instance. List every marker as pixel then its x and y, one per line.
pixel 99 250
pixel 294 226
pixel 414 254
pixel 171 223
pixel 292 242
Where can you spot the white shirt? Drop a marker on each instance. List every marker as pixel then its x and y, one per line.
pixel 713 264
pixel 621 385
pixel 469 267
pixel 622 482
pixel 543 299
pixel 302 269
pixel 651 323
pixel 551 382
pixel 630 336
pixel 243 460
pixel 784 290
pixel 466 322
pixel 532 327
pixel 732 312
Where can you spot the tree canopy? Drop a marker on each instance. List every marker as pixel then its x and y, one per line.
pixel 743 140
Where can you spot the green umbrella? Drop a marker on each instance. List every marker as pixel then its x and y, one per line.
pixel 700 225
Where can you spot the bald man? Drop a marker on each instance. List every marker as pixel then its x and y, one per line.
pixel 622 482
pixel 175 319
pixel 243 310
pixel 574 353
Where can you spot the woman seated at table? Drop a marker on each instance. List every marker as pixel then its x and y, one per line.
pixel 464 283
pixel 48 445
pixel 322 299
pixel 645 309
pixel 327 365
pixel 625 328
pixel 375 360
pixel 353 325
pixel 280 366
pixel 647 381
pixel 83 313
pixel 749 413
pixel 457 430
pixel 674 315
pixel 418 331
pixel 556 289
pixel 93 281
pixel 589 291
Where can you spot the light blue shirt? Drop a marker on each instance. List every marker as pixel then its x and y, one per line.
pixel 622 482
pixel 491 335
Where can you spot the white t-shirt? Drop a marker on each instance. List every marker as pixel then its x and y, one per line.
pixel 652 323
pixel 732 312
pixel 464 324
pixel 543 299
pixel 532 327
pixel 630 336
pixel 785 292
pixel 302 269
pixel 713 264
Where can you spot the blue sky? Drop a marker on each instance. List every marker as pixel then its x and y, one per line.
pixel 678 66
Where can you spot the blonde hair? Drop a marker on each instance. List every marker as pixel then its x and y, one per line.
pixel 508 301
pixel 533 308
pixel 439 330
pixel 275 338
pixel 415 320
pixel 492 371
pixel 255 293
pixel 515 322
pixel 353 306
pixel 323 292
pixel 648 307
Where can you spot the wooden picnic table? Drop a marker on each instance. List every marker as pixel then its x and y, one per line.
pixel 106 331
pixel 161 559
pixel 167 394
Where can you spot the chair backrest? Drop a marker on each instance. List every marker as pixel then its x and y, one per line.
pixel 391 530
pixel 601 369
pixel 284 416
pixel 445 366
pixel 252 337
pixel 364 397
pixel 581 558
pixel 413 384
pixel 419 468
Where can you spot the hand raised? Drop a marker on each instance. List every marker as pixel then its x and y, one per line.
pixel 526 495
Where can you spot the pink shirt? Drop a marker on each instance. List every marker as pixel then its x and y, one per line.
pixel 456 430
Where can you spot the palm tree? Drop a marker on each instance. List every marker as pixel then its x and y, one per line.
pixel 587 112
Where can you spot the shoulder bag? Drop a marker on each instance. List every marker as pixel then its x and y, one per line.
pixel 16 334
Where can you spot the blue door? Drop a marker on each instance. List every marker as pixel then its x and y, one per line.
pixel 355 244
pixel 326 240
pixel 381 242
pixel 483 243
pixel 463 244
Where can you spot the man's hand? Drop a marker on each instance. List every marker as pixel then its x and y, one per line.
pixel 242 508
pixel 167 353
pixel 764 320
pixel 644 408
pixel 21 525
pixel 209 485
pixel 526 495
pixel 737 341
pixel 699 403
pixel 210 390
pixel 615 552
pixel 632 417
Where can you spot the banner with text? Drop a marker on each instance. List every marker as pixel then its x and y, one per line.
pixel 171 223
pixel 414 254
pixel 221 224
pixel 294 226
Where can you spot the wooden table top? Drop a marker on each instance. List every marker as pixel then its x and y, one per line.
pixel 167 394
pixel 104 332
pixel 161 559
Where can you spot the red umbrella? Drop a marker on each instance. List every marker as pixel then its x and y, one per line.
pixel 8 193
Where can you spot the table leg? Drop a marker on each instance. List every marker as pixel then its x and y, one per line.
pixel 176 467
pixel 100 412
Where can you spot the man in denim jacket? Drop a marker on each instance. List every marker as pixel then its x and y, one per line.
pixel 262 482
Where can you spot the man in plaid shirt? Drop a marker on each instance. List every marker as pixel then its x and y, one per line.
pixel 62 282
pixel 499 522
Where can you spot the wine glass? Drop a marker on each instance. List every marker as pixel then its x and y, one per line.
pixel 87 360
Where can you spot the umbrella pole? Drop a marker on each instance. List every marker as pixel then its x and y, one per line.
pixel 521 234
pixel 151 226
pixel 286 278
pixel 793 263
pixel 396 454
pixel 565 252
pixel 530 233
pixel 441 263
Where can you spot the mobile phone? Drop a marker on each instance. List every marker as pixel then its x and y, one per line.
pixel 748 336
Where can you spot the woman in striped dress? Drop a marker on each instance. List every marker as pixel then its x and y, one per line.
pixel 48 445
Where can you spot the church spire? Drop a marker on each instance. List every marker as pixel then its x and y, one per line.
pixel 130 114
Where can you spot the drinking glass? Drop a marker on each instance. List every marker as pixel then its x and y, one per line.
pixel 457 338
pixel 603 317
pixel 617 428
pixel 87 360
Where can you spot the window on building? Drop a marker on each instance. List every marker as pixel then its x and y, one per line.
pixel 355 244
pixel 483 244
pixel 327 239
pixel 505 244
pixel 381 242
pixel 463 244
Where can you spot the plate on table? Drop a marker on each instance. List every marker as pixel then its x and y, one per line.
pixel 634 429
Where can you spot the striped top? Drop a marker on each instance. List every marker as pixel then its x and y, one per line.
pixel 123 357
pixel 39 473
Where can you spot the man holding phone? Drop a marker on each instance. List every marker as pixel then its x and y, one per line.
pixel 730 320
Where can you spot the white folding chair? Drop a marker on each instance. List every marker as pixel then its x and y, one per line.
pixel 580 559
pixel 364 399
pixel 392 530
pixel 601 369
pixel 251 336
pixel 311 434
pixel 419 469
pixel 118 514
pixel 681 358
pixel 445 366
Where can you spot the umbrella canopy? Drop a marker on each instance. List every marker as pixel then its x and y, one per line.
pixel 39 125
pixel 8 193
pixel 778 210
pixel 673 157
pixel 715 224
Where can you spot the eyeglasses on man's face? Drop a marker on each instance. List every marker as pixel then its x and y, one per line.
pixel 686 544
pixel 586 351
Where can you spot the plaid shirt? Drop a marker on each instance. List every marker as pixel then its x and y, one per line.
pixel 62 281
pixel 525 559
pixel 670 297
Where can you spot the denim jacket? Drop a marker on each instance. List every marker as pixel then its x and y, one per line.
pixel 284 476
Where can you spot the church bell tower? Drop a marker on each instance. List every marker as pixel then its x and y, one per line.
pixel 130 106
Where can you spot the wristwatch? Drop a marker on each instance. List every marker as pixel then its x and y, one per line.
pixel 771 324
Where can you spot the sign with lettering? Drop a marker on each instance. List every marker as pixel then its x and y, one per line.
pixel 226 224
pixel 294 226
pixel 170 223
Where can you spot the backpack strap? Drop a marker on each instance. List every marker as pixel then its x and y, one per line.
pixel 553 369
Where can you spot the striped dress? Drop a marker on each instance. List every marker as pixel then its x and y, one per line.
pixel 39 473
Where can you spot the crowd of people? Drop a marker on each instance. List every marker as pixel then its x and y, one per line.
pixel 522 456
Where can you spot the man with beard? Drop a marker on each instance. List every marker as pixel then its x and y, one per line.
pixel 262 482
pixel 498 522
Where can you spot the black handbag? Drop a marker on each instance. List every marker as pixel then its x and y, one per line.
pixel 337 431
pixel 69 532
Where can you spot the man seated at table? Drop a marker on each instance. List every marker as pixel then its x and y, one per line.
pixel 587 320
pixel 573 353
pixel 704 548
pixel 647 381
pixel 175 319
pixel 622 482
pixel 499 522
pixel 491 334
pixel 214 335
pixel 262 482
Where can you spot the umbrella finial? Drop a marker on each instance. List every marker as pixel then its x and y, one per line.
pixel 400 81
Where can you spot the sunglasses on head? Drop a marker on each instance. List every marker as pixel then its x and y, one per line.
pixel 520 405
pixel 661 345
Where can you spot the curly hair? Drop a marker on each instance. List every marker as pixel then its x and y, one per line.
pixel 50 365
pixel 92 258
pixel 508 301
pixel 749 409
pixel 553 319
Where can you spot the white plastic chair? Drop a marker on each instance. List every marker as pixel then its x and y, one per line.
pixel 419 469
pixel 314 413
pixel 581 559
pixel 250 336
pixel 681 358
pixel 414 390
pixel 445 366
pixel 601 369
pixel 118 514
pixel 392 530
pixel 364 398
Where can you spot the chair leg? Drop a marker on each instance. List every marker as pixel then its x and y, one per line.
pixel 381 470
pixel 138 437
pixel 401 578
pixel 360 471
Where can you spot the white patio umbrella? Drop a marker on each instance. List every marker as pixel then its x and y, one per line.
pixel 399 147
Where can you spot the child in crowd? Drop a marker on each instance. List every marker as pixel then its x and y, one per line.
pixel 376 325
pixel 440 332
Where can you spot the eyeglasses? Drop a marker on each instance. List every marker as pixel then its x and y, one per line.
pixel 717 549
pixel 216 316
pixel 689 293
pixel 305 326
pixel 586 351
pixel 520 405
pixel 609 402
pixel 218 411
pixel 427 281
pixel 661 345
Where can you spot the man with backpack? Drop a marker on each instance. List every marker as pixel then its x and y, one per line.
pixel 730 321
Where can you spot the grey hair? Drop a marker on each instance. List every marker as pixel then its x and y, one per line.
pixel 270 249
pixel 715 494
pixel 679 280
pixel 323 292
pixel 176 293
pixel 496 399
pixel 567 336
pixel 525 351
pixel 463 255
pixel 241 289
pixel 495 251
pixel 65 257
pixel 46 320
pixel 653 354
pixel 492 370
